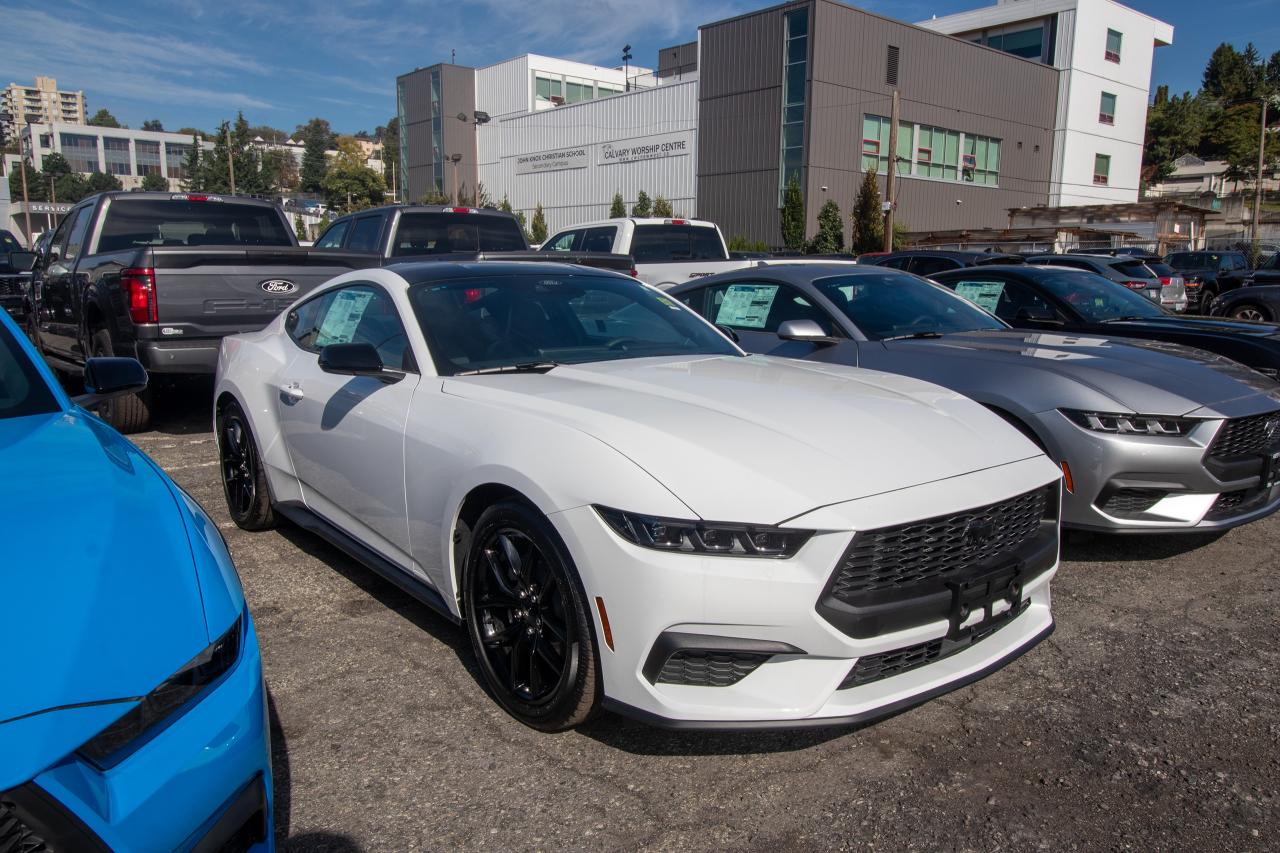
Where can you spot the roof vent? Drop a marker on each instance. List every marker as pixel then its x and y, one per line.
pixel 891 67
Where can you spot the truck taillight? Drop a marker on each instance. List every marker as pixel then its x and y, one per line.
pixel 676 222
pixel 635 273
pixel 139 286
pixel 459 210
pixel 1135 285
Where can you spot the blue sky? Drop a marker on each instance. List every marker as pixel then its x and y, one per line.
pixel 195 62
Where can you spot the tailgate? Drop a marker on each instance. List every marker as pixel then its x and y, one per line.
pixel 211 292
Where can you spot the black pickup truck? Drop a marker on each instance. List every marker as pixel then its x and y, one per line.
pixel 15 278
pixel 400 232
pixel 163 277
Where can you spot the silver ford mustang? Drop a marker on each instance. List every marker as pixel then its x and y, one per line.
pixel 1151 436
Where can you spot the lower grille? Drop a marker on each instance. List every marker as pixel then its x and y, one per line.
pixel 1246 436
pixel 32 821
pixel 699 668
pixel 888 664
pixel 1231 504
pixel 1132 501
pixel 15 835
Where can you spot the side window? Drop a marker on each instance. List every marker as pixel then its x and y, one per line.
pixel 364 314
pixel 926 266
pixel 599 239
pixel 75 236
pixel 332 239
pixel 1020 302
pixel 760 307
pixel 986 293
pixel 1237 262
pixel 562 242
pixel 364 234
pixel 303 320
pixel 897 263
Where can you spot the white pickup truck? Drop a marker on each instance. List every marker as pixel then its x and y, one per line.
pixel 667 252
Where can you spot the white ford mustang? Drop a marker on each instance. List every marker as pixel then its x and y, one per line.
pixel 626 511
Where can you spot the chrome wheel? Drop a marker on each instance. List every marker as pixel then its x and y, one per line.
pixel 1247 312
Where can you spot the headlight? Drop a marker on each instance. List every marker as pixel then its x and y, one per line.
pixel 162 705
pixel 702 537
pixel 1124 424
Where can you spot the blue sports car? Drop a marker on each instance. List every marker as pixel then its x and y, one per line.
pixel 132 705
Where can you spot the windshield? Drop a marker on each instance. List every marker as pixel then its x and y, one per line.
pixel 509 320
pixel 176 222
pixel 8 243
pixel 1161 269
pixel 1097 299
pixel 1133 269
pixel 23 390
pixel 442 233
pixel 891 305
pixel 658 243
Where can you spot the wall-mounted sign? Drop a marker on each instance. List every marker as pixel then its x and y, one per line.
pixel 655 147
pixel 552 161
pixel 46 207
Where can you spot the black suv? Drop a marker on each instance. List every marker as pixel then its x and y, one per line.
pixel 1217 272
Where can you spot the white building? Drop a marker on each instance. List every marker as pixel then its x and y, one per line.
pixel 1105 52
pixel 130 155
pixel 41 103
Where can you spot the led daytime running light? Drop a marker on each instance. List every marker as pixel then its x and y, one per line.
pixel 705 537
pixel 1126 424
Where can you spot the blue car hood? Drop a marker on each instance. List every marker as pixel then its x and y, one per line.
pixel 101 598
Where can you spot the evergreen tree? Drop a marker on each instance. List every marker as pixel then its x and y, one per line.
pixel 315 137
pixel 538 230
pixel 524 226
pixel 193 167
pixel 390 137
pixel 793 216
pixel 868 219
pixel 153 125
pixel 100 182
pixel 37 186
pixel 505 204
pixel 299 227
pixel 214 172
pixel 662 208
pixel 618 209
pixel 244 156
pixel 643 206
pixel 1226 76
pixel 103 118
pixel 1175 126
pixel 830 237
pixel 155 182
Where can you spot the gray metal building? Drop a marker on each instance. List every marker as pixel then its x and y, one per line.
pixel 428 102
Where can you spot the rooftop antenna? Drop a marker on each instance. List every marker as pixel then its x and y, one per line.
pixel 453 57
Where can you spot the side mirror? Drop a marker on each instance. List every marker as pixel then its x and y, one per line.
pixel 357 360
pixel 22 261
pixel 1037 315
pixel 105 378
pixel 728 333
pixel 805 330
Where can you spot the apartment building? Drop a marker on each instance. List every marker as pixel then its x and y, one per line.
pixel 42 103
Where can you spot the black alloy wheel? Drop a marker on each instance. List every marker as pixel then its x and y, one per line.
pixel 244 483
pixel 1248 311
pixel 528 621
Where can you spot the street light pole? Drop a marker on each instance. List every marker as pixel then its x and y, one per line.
pixel 1257 187
pixel 454 158
pixel 891 180
pixel 26 202
pixel 231 161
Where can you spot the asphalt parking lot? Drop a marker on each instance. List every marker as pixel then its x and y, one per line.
pixel 1150 720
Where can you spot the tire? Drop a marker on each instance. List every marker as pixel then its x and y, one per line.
pixel 540 662
pixel 1248 311
pixel 128 414
pixel 244 480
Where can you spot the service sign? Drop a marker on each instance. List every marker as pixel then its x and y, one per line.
pixel 656 147
pixel 552 161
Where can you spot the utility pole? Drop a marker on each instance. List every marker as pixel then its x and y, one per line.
pixel 454 158
pixel 891 182
pixel 231 161
pixel 1257 187
pixel 26 202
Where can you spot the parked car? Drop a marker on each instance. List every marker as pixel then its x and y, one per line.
pixel 1259 303
pixel 1052 299
pixel 1129 421
pixel 163 277
pixel 1131 273
pixel 1177 294
pixel 626 511
pixel 1217 272
pixel 666 251
pixel 926 262
pixel 398 232
pixel 133 714
pixel 1267 271
pixel 15 278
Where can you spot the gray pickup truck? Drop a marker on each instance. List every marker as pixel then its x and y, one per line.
pixel 163 277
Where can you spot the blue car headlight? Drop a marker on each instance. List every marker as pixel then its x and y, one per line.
pixel 705 537
pixel 166 703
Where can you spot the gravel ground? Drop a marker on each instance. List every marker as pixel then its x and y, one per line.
pixel 1148 721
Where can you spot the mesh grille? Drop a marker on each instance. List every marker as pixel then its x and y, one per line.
pixel 15 835
pixel 1230 504
pixel 1132 501
pixel 709 669
pixel 909 554
pixel 1246 436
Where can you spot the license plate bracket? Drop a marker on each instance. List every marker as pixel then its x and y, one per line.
pixel 983 592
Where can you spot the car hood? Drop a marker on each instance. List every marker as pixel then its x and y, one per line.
pixel 760 439
pixel 1200 325
pixel 101 598
pixel 1150 377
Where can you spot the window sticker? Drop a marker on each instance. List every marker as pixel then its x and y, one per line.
pixel 343 316
pixel 984 294
pixel 746 306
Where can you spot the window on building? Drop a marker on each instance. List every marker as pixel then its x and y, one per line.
pixel 1029 44
pixel 577 91
pixel 604 90
pixel 547 88
pixel 1113 45
pixel 437 134
pixel 147 156
pixel 875 145
pixel 1107 108
pixel 115 152
pixel 931 152
pixel 175 155
pixel 795 65
pixel 81 151
pixel 1101 169
pixel 984 154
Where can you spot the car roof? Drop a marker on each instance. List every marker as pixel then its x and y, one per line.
pixel 418 272
pixel 638 220
pixel 795 273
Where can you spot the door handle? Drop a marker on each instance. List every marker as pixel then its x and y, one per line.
pixel 292 392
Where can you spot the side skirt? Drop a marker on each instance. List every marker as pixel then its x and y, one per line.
pixel 367 557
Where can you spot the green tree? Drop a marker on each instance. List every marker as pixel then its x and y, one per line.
pixel 793 216
pixel 830 237
pixel 279 170
pixel 1226 75
pixel 538 229
pixel 193 167
pixel 323 224
pixel 153 125
pixel 1175 126
pixel 55 165
pixel 352 187
pixel 315 137
pixel 192 131
pixel 37 186
pixel 319 126
pixel 70 188
pixel 245 157
pixel 868 219
pixel 299 227
pixel 155 182
pixel 524 226
pixel 742 243
pixel 662 208
pixel 215 176
pixel 434 197
pixel 1235 139
pixel 643 206
pixel 505 204
pixel 391 152
pixel 102 118
pixel 99 183
pixel 618 209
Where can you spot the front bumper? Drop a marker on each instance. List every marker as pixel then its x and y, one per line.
pixel 1154 484
pixel 202 783
pixel 803 662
